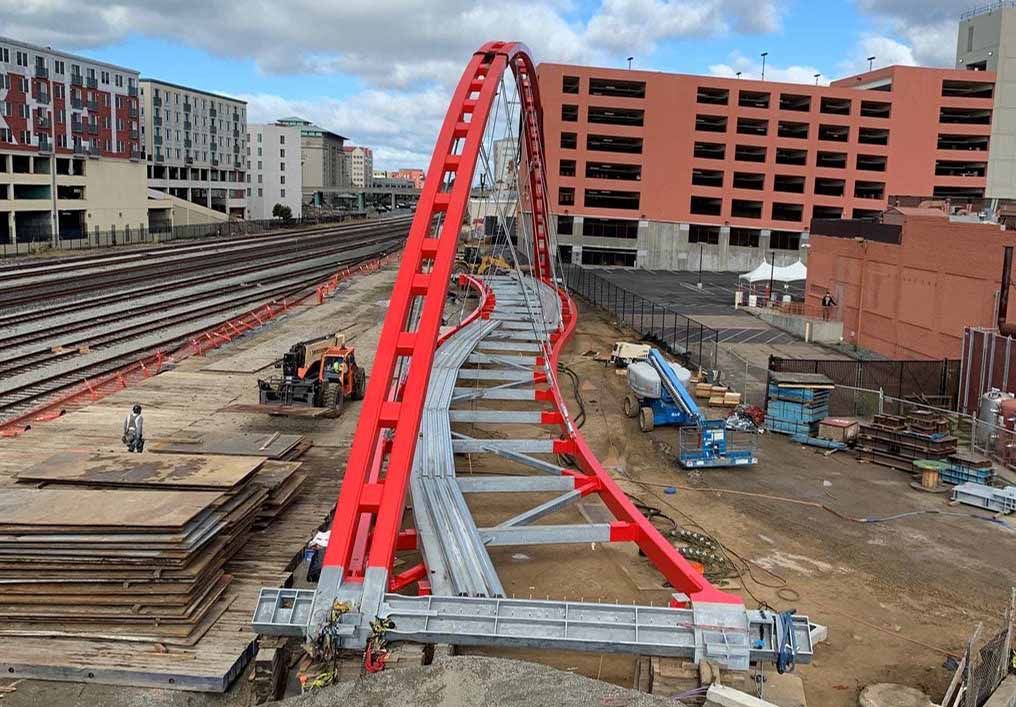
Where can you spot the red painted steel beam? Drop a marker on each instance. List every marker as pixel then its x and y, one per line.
pixel 393 408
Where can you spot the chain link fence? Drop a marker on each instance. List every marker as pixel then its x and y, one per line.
pixel 930 382
pixel 40 240
pixel 695 343
pixel 985 663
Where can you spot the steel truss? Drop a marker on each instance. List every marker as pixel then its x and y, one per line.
pixel 506 350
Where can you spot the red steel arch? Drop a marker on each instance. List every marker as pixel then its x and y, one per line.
pixel 365 531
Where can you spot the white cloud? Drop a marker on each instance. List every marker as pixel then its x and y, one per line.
pixel 385 42
pixel 752 69
pixel 886 50
pixel 637 25
pixel 400 127
pixel 926 27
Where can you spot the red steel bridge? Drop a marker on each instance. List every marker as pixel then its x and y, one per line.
pixel 498 365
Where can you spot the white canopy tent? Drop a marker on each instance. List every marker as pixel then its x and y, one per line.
pixel 781 273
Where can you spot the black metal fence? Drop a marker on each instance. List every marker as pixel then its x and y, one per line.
pixel 31 241
pixel 686 338
pixel 931 382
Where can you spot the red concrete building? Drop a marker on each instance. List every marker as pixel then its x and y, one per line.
pixel 411 175
pixel 658 170
pixel 908 286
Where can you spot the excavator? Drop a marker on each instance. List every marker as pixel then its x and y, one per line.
pixel 468 261
pixel 321 373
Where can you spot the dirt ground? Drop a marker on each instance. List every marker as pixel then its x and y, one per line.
pixel 897 596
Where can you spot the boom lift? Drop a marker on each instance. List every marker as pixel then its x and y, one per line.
pixel 318 373
pixel 703 442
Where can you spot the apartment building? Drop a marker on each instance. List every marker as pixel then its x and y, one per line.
pixel 196 146
pixel 361 165
pixel 663 170
pixel 325 166
pixel 275 175
pixel 70 156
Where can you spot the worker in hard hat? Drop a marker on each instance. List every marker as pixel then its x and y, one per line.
pixel 134 429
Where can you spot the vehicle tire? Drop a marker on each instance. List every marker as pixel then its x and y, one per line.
pixel 630 405
pixel 646 423
pixel 359 383
pixel 330 396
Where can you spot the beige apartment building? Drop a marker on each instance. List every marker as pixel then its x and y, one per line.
pixel 361 165
pixel 326 169
pixel 196 146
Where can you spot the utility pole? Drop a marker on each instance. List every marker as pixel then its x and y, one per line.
pixel 764 55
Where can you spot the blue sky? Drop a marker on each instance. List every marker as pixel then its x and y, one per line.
pixel 380 71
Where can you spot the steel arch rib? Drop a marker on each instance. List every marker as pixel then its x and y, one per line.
pixel 368 516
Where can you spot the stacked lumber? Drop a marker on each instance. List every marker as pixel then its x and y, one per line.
pixel 716 395
pixel 898 442
pixel 124 547
pixel 797 402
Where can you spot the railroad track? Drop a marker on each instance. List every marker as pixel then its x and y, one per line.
pixel 104 323
pixel 61 280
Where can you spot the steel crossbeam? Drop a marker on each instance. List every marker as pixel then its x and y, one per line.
pixel 515 484
pixel 714 632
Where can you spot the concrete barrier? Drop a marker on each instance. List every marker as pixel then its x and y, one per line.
pixel 806 328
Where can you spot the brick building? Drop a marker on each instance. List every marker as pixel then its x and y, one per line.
pixel 651 169
pixel 908 286
pixel 415 176
pixel 70 145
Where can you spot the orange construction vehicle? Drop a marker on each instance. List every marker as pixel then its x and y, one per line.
pixel 321 373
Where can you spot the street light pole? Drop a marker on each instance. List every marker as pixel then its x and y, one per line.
pixel 701 247
pixel 871 60
pixel 629 62
pixel 764 55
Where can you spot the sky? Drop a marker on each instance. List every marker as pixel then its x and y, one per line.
pixel 381 71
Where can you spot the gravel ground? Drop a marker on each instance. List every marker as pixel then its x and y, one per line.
pixel 464 681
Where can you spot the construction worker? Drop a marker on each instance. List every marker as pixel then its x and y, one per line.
pixel 134 430
pixel 827 305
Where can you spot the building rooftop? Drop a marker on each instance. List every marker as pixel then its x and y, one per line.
pixel 148 79
pixel 64 55
pixel 309 128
